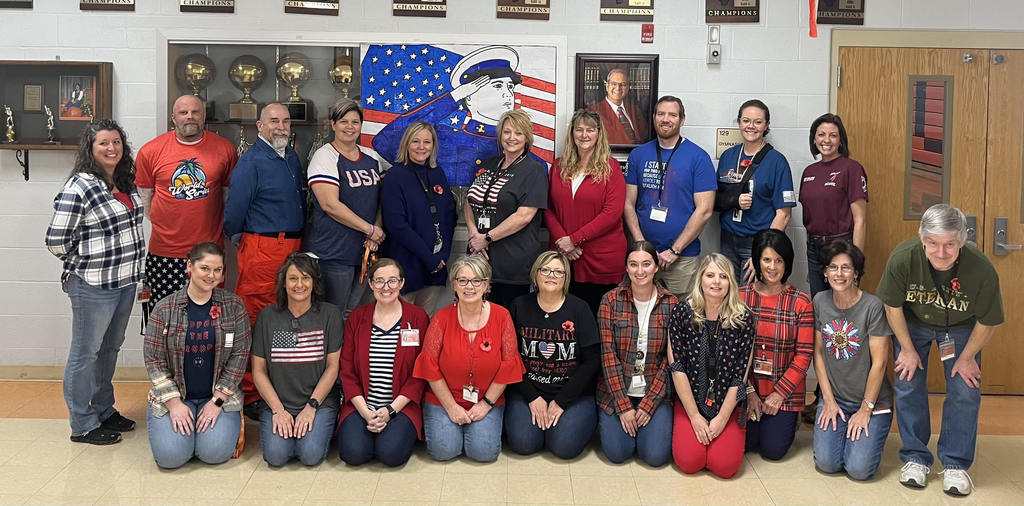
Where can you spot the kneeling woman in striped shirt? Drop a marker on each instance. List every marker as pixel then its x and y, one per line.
pixel 381 416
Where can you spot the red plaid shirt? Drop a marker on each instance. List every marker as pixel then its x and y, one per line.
pixel 618 321
pixel 785 336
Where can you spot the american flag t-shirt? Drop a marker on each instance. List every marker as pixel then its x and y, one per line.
pixel 290 347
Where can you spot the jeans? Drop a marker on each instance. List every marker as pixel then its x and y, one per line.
pixel 172 450
pixel 341 285
pixel 392 446
pixel 737 249
pixel 99 318
pixel 652 444
pixel 834 452
pixel 481 440
pixel 566 440
pixel 772 435
pixel 959 410
pixel 815 271
pixel 310 449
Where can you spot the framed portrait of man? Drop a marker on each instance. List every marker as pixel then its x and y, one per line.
pixel 622 90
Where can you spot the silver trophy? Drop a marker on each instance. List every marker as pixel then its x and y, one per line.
pixel 49 126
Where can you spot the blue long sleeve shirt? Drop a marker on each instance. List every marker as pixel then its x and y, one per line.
pixel 266 193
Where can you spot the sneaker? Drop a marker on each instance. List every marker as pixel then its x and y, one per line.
pixel 98 436
pixel 914 475
pixel 956 482
pixel 118 423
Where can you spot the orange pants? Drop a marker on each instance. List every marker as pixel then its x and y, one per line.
pixel 259 259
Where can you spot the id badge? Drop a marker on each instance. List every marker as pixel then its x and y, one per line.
pixel 229 339
pixel 737 215
pixel 659 213
pixel 762 366
pixel 144 293
pixel 946 348
pixel 638 381
pixel 409 336
pixel 881 411
pixel 437 246
pixel 469 394
pixel 483 222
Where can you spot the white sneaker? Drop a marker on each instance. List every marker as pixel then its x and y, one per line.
pixel 956 482
pixel 914 475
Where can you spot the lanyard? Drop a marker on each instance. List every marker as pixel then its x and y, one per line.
pixel 712 360
pixel 498 174
pixel 430 200
pixel 663 167
pixel 940 288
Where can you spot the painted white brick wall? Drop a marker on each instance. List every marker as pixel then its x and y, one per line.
pixel 774 60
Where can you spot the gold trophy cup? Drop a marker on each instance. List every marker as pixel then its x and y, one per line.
pixel 294 70
pixel 194 72
pixel 341 74
pixel 246 73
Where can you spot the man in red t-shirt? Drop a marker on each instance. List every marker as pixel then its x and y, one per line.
pixel 182 176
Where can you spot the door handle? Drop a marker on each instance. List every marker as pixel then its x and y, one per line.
pixel 1001 248
pixel 972 230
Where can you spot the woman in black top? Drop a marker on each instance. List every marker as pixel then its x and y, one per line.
pixel 553 407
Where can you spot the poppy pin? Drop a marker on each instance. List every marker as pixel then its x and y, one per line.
pixel 215 312
pixel 955 283
pixel 481 171
pixel 438 190
pixel 745 163
pixel 485 346
pixel 568 326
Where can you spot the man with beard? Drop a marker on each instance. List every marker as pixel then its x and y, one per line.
pixel 182 176
pixel 670 193
pixel 624 121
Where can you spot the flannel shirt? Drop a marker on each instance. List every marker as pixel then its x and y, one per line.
pixel 96 236
pixel 785 336
pixel 618 322
pixel 164 349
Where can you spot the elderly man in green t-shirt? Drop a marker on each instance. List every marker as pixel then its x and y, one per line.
pixel 936 287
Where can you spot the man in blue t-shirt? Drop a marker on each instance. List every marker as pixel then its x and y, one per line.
pixel 670 193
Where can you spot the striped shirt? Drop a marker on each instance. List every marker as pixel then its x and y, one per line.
pixel 382 366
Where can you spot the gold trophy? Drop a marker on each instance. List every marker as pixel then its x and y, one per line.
pixel 341 74
pixel 294 70
pixel 49 126
pixel 246 73
pixel 194 72
pixel 10 136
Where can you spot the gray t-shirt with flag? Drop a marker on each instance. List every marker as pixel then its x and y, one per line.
pixel 847 352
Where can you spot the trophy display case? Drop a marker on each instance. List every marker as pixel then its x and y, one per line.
pixel 237 80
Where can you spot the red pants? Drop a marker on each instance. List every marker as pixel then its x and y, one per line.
pixel 259 258
pixel 723 456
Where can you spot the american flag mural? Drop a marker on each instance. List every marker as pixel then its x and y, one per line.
pixel 440 84
pixel 288 346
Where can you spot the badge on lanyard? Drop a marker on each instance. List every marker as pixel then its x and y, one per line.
pixel 638 381
pixel 470 394
pixel 409 336
pixel 659 213
pixel 483 222
pixel 229 339
pixel 946 348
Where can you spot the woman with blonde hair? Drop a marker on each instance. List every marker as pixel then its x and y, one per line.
pixel 587 192
pixel 711 335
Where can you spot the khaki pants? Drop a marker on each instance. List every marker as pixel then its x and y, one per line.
pixel 678 278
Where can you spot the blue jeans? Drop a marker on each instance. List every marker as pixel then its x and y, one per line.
pixel 772 435
pixel 815 271
pixel 341 285
pixel 392 446
pixel 652 444
pixel 99 318
pixel 566 440
pixel 172 450
pixel 737 249
pixel 834 452
pixel 310 449
pixel 481 440
pixel 959 410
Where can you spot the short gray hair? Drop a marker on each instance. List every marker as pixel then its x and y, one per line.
pixel 477 263
pixel 942 219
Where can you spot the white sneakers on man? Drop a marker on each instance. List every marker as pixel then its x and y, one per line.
pixel 914 475
pixel 956 482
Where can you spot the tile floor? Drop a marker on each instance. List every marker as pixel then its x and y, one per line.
pixel 39 465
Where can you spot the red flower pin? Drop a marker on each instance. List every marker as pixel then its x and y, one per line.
pixel 568 326
pixel 215 312
pixel 438 190
pixel 481 171
pixel 485 346
pixel 745 163
pixel 955 283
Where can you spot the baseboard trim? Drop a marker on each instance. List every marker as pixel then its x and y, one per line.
pixel 56 373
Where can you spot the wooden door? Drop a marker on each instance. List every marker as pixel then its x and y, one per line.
pixel 878 102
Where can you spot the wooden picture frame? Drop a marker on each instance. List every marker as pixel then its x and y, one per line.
pixel 32 97
pixel 634 85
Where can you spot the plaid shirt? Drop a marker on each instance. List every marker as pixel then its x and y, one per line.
pixel 99 239
pixel 164 349
pixel 785 336
pixel 618 322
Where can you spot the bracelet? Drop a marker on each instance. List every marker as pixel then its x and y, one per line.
pixel 674 252
pixel 371 230
pixel 750 389
pixel 488 401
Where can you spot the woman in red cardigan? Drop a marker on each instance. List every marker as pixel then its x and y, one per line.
pixel 587 192
pixel 381 413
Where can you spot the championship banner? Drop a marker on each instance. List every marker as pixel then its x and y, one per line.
pixel 732 11
pixel 310 7
pixel 15 4
pixel 841 12
pixel 524 9
pixel 207 5
pixel 641 11
pixel 420 8
pixel 107 5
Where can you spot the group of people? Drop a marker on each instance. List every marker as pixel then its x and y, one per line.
pixel 666 354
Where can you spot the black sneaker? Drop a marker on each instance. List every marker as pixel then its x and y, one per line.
pixel 98 436
pixel 254 409
pixel 118 423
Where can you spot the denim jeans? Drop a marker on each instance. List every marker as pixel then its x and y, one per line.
pixel 341 285
pixel 652 444
pixel 772 435
pixel 815 271
pixel 99 318
pixel 481 440
pixel 834 452
pixel 737 249
pixel 959 410
pixel 392 446
pixel 566 440
pixel 172 450
pixel 310 449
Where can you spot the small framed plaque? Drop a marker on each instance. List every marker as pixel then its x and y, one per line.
pixel 15 4
pixel 641 11
pixel 207 6
pixel 726 138
pixel 524 9
pixel 841 12
pixel 107 5
pixel 421 8
pixel 311 7
pixel 33 101
pixel 732 11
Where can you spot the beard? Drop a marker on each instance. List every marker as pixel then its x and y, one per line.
pixel 189 129
pixel 278 139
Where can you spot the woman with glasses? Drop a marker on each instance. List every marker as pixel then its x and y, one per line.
pixel 469 357
pixel 295 351
pixel 419 211
pixel 587 192
pixel 851 348
pixel 765 198
pixel 553 407
pixel 381 416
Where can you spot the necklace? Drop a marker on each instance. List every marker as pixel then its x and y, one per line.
pixel 547 313
pixel 465 322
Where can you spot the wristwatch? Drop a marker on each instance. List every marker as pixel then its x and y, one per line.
pixel 870 404
pixel 487 237
pixel 313 402
pixel 674 252
pixel 217 401
pixel 391 412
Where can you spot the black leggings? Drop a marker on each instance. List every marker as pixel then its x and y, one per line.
pixel 773 434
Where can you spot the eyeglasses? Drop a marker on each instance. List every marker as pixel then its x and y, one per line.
pixel 554 273
pixel 617 85
pixel 476 282
pixel 845 269
pixel 379 283
pixel 755 122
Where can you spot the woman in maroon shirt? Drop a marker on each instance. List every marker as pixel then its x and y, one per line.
pixel 587 192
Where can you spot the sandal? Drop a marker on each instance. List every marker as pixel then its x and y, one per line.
pixel 98 436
